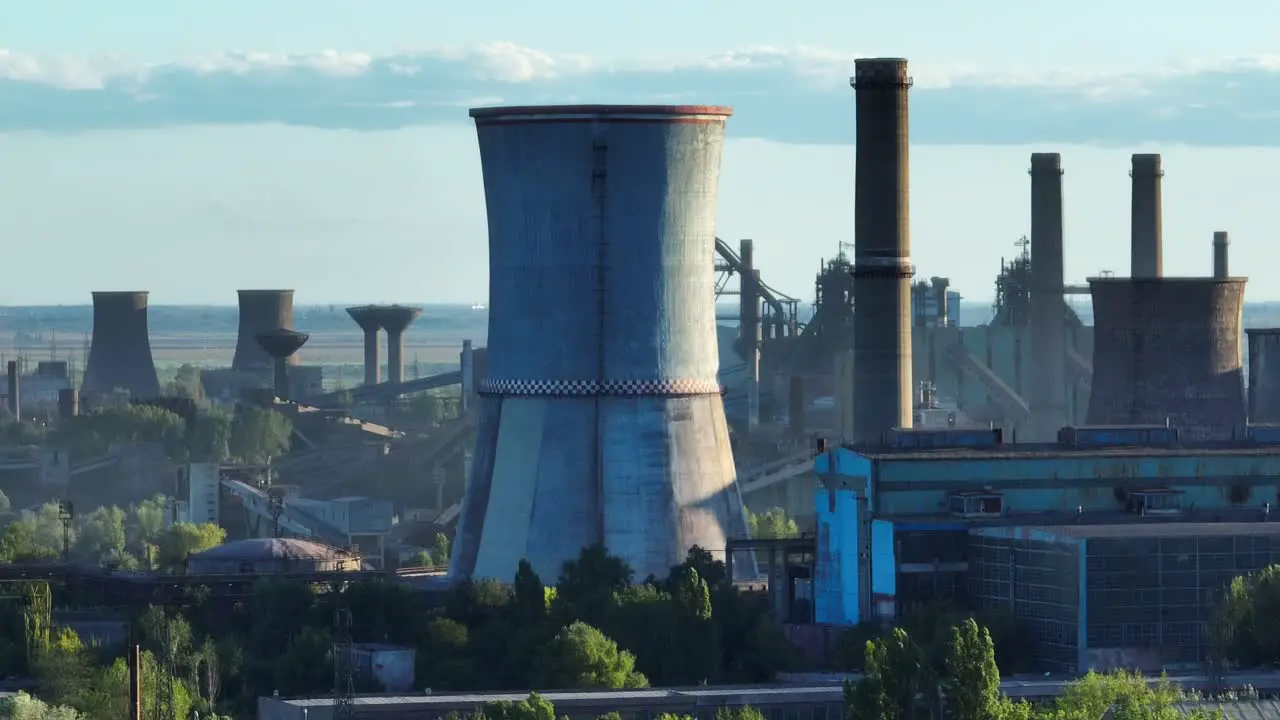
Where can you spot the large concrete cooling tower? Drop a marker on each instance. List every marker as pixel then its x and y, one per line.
pixel 120 351
pixel 1264 375
pixel 601 417
pixel 261 311
pixel 882 251
pixel 1168 350
pixel 1048 318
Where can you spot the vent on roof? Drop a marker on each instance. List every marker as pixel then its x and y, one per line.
pixel 1118 436
pixel 936 439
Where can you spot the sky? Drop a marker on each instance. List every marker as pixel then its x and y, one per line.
pixel 195 148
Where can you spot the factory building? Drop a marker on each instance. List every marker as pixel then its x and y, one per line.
pixel 1097 597
pixel 893 521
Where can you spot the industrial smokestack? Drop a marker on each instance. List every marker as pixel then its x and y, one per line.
pixel 1168 350
pixel 120 350
pixel 15 390
pixel 1048 315
pixel 261 311
pixel 601 419
pixel 370 322
pixel 395 320
pixel 280 345
pixel 1220 249
pixel 1264 375
pixel 1146 212
pixel 882 250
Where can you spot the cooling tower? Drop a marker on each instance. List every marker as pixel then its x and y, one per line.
pixel 367 317
pixel 1048 320
pixel 1264 375
pixel 601 418
pixel 1145 228
pixel 882 251
pixel 1168 350
pixel 281 344
pixel 261 311
pixel 120 350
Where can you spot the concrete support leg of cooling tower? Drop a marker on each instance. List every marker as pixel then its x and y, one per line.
pixel 395 356
pixel 280 372
pixel 526 498
pixel 372 361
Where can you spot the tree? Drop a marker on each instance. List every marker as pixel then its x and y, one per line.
pixel 259 433
pixel 534 707
pixel 24 707
pixel 1247 627
pixel 892 685
pixel 148 520
pixel 100 536
pixel 186 383
pixel 772 524
pixel 181 540
pixel 973 680
pixel 211 438
pixel 1127 696
pixel 92 434
pixel 580 656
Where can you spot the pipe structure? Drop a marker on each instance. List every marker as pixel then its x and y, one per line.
pixel 1221 247
pixel 749 331
pixel 15 390
pixel 1264 375
pixel 882 250
pixel 261 311
pixel 395 320
pixel 601 419
pixel 1048 319
pixel 1146 217
pixel 370 322
pixel 280 345
pixel 1168 351
pixel 120 348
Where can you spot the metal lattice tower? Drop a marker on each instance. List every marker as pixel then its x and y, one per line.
pixel 343 666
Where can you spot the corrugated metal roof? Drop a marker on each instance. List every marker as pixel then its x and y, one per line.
pixel 273 549
pixel 1237 710
pixel 1139 530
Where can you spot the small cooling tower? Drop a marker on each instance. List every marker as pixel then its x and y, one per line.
pixel 1168 350
pixel 120 351
pixel 261 311
pixel 601 418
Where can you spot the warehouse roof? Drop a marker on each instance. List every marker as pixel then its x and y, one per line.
pixel 1051 451
pixel 1134 530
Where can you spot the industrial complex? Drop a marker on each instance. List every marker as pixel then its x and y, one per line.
pixel 1102 484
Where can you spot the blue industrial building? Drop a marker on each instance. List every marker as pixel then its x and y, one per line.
pixel 894 522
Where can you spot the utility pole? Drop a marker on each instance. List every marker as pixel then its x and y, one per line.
pixel 66 515
pixel 343 662
pixel 276 508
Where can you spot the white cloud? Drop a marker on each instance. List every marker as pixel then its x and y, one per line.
pixel 769 86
